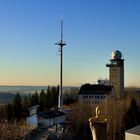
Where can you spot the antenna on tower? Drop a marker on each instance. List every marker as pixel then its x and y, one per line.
pixel 61 30
pixel 123 54
pixel 61 44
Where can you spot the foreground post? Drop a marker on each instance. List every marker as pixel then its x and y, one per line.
pixel 98 125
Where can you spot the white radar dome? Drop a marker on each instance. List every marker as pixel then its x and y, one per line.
pixel 116 54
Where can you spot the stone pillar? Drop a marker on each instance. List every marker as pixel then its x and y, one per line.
pixel 98 126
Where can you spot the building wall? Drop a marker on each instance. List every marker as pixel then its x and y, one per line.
pixel 59 119
pixel 32 121
pixel 115 80
pixel 45 122
pixel 51 121
pixel 93 99
pixel 133 133
pixel 116 76
pixel 129 136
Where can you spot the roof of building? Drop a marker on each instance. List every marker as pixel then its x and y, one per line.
pixel 135 130
pixel 33 107
pixel 51 114
pixel 94 89
pixel 116 54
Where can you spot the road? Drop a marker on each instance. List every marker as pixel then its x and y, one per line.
pixel 41 134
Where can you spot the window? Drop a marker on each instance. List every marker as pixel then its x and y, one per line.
pixel 85 97
pixel 97 97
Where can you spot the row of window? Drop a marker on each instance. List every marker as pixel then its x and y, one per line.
pixel 92 97
pixel 96 102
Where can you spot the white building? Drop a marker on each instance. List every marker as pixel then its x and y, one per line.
pixel 133 134
pixel 45 119
pixel 32 120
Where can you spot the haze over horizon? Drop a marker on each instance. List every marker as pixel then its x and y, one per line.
pixel 92 30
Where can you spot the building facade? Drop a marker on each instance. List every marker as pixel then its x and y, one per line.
pixel 94 94
pixel 45 118
pixel 98 93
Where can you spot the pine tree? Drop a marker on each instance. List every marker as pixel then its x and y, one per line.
pixel 25 105
pixel 42 100
pixel 17 106
pixel 131 117
pixel 48 98
pixel 34 100
pixel 9 112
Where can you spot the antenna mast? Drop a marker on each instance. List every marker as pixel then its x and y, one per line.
pixel 61 44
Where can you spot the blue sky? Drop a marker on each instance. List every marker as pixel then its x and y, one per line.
pixel 92 30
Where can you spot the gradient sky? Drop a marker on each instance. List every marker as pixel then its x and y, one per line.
pixel 92 30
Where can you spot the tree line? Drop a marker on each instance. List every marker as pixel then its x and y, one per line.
pixel 46 99
pixel 18 109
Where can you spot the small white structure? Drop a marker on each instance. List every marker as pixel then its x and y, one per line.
pixel 32 120
pixel 46 118
pixel 133 133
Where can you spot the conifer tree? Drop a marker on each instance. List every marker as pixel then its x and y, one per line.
pixel 9 112
pixel 25 105
pixel 17 106
pixel 132 116
pixel 48 98
pixel 42 100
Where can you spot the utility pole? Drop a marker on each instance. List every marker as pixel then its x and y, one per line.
pixel 61 44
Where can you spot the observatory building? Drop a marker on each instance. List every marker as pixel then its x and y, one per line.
pixel 116 74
